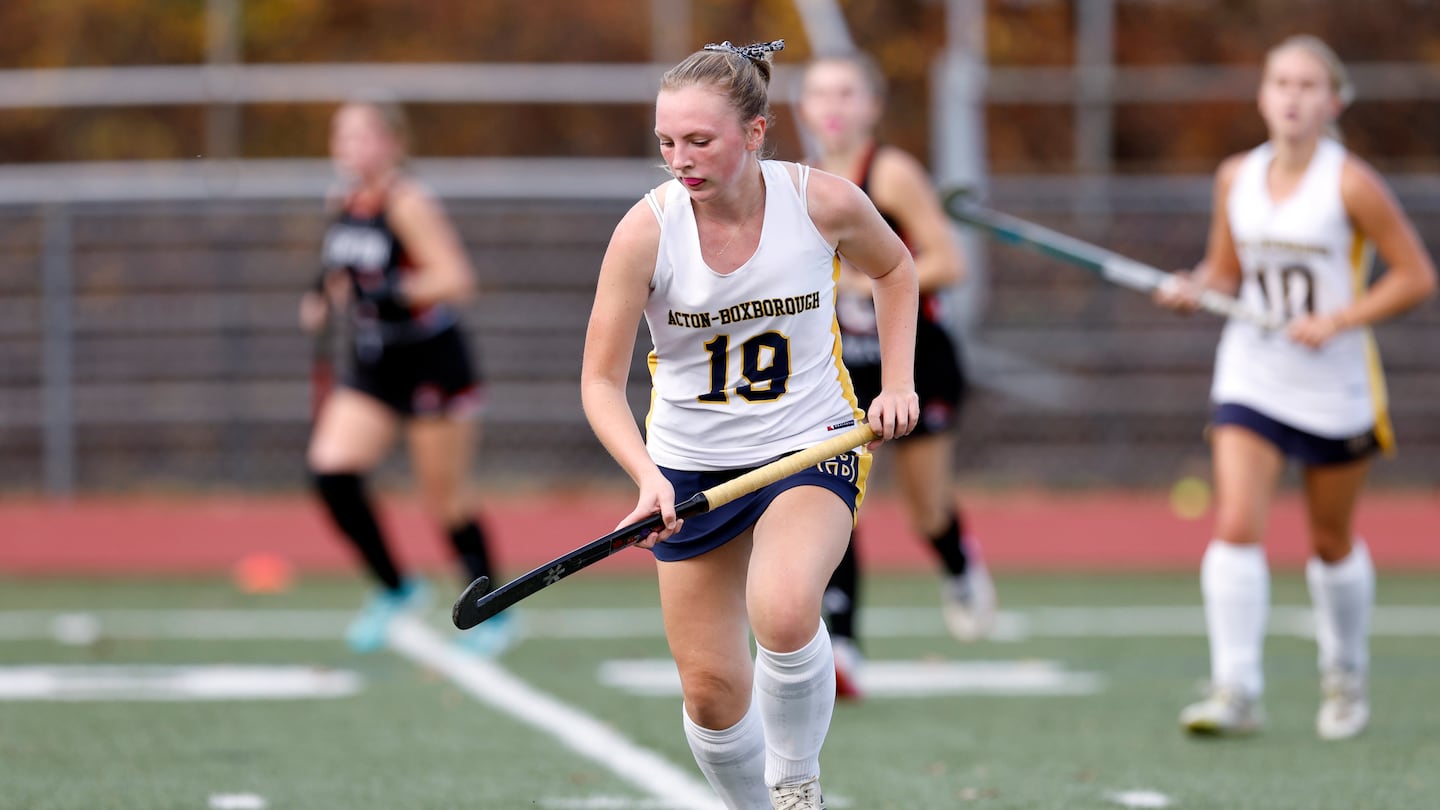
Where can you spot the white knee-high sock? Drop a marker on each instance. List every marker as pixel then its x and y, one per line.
pixel 796 695
pixel 1235 581
pixel 1344 598
pixel 732 759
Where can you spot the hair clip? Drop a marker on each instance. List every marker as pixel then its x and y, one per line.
pixel 755 52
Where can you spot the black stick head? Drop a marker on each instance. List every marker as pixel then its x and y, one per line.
pixel 466 613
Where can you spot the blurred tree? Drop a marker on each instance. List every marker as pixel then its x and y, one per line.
pixel 96 33
pixel 905 36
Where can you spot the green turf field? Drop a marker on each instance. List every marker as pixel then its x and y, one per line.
pixel 1074 708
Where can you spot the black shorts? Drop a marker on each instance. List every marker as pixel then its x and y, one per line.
pixel 430 377
pixel 939 380
pixel 1306 448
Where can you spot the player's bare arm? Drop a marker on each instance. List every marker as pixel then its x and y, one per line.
pixel 1219 269
pixel 1410 274
pixel 445 274
pixel 846 216
pixel 900 186
pixel 1409 278
pixel 620 296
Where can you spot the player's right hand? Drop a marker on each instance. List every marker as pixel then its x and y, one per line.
pixel 657 496
pixel 1180 293
pixel 313 310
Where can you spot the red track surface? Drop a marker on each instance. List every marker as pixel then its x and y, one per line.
pixel 1032 531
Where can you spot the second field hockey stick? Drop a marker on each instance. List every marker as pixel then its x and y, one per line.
pixel 475 605
pixel 1107 264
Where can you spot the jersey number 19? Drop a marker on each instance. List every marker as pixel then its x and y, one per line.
pixel 765 365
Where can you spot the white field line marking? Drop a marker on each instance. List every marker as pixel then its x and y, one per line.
pixel 604 803
pixel 1159 621
pixel 656 776
pixel 1139 798
pixel 74 627
pixel 109 682
pixel 656 677
pixel 622 803
pixel 237 801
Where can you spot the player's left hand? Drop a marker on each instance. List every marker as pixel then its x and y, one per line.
pixel 893 414
pixel 1315 330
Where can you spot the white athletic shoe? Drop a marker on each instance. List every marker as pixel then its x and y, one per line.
pixel 1224 712
pixel 1344 707
pixel 968 603
pixel 847 668
pixel 798 797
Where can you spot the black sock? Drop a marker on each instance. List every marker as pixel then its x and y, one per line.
pixel 344 496
pixel 473 549
pixel 949 546
pixel 842 594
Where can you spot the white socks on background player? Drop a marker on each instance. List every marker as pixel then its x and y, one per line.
pixel 1235 582
pixel 1343 594
pixel 780 737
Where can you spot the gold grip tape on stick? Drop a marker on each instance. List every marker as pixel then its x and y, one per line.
pixel 789 465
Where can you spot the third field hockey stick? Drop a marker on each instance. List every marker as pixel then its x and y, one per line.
pixel 1107 264
pixel 475 605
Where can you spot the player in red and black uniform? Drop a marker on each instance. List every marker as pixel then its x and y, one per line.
pixel 841 103
pixel 393 259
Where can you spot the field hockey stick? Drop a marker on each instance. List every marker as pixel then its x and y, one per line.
pixel 475 605
pixel 1107 264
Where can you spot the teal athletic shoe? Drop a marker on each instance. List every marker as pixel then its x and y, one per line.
pixel 369 628
pixel 492 637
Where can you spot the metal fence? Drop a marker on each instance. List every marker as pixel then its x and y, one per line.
pixel 153 344
pixel 156 344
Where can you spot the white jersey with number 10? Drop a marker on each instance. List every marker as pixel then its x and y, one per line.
pixel 1300 256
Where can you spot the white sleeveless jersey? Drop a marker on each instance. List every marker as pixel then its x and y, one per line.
pixel 746 365
pixel 1300 256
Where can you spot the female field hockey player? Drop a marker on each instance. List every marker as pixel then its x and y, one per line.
pixel 841 102
pixel 1293 224
pixel 392 256
pixel 733 264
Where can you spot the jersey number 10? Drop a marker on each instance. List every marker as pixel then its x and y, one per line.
pixel 1290 291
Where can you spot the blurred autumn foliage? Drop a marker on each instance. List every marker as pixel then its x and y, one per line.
pixel 905 35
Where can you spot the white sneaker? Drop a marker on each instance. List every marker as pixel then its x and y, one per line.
pixel 1224 712
pixel 798 797
pixel 847 668
pixel 1344 707
pixel 968 603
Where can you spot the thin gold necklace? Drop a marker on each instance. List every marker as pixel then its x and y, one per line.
pixel 741 226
